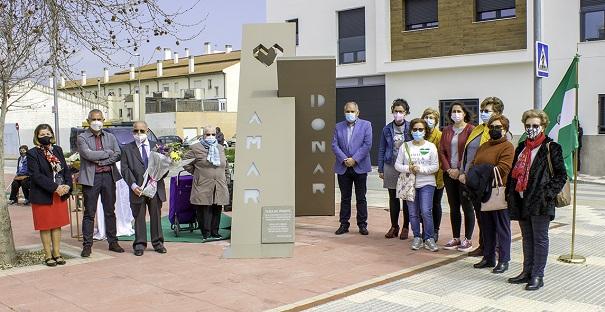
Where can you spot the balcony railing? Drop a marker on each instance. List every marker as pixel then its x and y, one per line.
pixel 163 105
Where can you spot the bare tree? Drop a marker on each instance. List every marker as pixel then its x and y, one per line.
pixel 39 38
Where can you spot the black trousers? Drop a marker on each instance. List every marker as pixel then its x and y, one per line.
pixel 154 206
pixel 495 230
pixel 23 184
pixel 345 184
pixel 456 200
pixel 106 188
pixel 209 219
pixel 535 244
pixel 396 205
pixel 437 209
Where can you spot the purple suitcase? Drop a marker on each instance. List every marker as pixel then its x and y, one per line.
pixel 181 212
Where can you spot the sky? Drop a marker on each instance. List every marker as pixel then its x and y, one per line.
pixel 223 25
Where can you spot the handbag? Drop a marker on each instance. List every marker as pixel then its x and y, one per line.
pixel 564 197
pixel 497 201
pixel 406 183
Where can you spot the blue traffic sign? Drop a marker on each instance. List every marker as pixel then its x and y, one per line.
pixel 541 59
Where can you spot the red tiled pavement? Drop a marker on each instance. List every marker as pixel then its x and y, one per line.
pixel 194 277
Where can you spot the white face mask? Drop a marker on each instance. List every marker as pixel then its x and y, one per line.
pixel 96 125
pixel 457 117
pixel 430 122
pixel 140 138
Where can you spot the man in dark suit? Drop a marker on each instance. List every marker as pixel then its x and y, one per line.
pixel 135 159
pixel 99 151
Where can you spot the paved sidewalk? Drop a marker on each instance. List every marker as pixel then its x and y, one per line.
pixel 459 287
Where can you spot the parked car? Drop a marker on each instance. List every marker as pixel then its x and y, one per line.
pixel 168 139
pixel 231 142
pixel 121 130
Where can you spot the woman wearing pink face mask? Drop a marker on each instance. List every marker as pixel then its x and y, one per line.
pixel 392 137
pixel 451 149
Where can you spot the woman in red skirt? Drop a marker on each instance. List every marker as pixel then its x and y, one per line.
pixel 50 188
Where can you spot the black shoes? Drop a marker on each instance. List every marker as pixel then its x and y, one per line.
pixel 520 279
pixel 216 236
pixel 484 264
pixel 139 252
pixel 501 267
pixel 363 230
pixel 535 283
pixel 160 249
pixel 115 247
pixel 342 229
pixel 86 252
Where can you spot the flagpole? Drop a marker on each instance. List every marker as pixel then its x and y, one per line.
pixel 573 258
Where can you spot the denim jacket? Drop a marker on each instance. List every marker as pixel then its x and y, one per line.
pixel 22 166
pixel 385 149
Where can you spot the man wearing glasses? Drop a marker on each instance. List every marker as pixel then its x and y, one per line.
pixel 134 163
pixel 99 151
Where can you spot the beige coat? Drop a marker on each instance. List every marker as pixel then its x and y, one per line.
pixel 209 182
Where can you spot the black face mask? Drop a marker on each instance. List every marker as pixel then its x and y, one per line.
pixel 45 140
pixel 495 134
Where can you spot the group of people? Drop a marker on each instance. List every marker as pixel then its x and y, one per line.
pixel 469 162
pixel 51 185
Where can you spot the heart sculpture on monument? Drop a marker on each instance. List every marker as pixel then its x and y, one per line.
pixel 267 55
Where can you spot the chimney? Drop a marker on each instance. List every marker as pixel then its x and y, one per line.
pixel 228 48
pixel 176 57
pixel 167 54
pixel 105 75
pixel 207 47
pixel 186 52
pixel 159 68
pixel 131 72
pixel 191 64
pixel 83 77
pixel 62 82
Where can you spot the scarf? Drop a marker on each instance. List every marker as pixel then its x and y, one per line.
pixel 480 130
pixel 214 157
pixel 521 169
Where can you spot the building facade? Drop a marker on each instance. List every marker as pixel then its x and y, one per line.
pixel 176 95
pixel 432 52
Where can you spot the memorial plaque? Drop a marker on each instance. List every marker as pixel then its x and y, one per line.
pixel 278 224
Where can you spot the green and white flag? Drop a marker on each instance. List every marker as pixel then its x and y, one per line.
pixel 561 111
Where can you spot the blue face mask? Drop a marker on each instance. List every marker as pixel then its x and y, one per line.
pixel 485 116
pixel 210 140
pixel 351 117
pixel 418 136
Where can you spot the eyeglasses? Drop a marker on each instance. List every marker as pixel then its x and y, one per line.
pixel 139 131
pixel 496 127
pixel 532 126
pixel 485 111
pixel 417 129
pixel 210 134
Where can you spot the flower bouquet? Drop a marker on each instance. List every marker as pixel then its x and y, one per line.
pixel 161 159
pixel 73 162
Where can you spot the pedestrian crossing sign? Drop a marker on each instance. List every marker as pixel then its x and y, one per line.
pixel 541 59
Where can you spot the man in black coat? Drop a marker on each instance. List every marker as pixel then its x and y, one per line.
pixel 135 159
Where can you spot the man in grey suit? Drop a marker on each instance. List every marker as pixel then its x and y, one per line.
pixel 135 158
pixel 99 151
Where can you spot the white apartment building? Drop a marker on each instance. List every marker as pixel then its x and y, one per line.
pixel 431 52
pixel 176 95
pixel 32 104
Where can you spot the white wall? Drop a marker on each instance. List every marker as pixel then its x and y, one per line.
pixel 72 112
pixel 232 85
pixel 162 123
pixel 318 29
pixel 422 89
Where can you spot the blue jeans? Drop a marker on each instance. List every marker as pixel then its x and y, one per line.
pixel 422 207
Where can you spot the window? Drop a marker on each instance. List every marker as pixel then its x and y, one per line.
pixel 494 9
pixel 352 36
pixel 176 87
pixel 129 115
pixel 602 114
pixel 420 14
pixel 209 84
pixel 444 107
pixel 295 21
pixel 147 89
pixel 592 19
pixel 119 91
pixel 120 113
pixel 166 87
pixel 216 91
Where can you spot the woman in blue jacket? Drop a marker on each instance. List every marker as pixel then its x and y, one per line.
pixel 393 135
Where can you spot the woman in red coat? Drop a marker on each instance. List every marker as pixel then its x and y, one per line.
pixel 50 188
